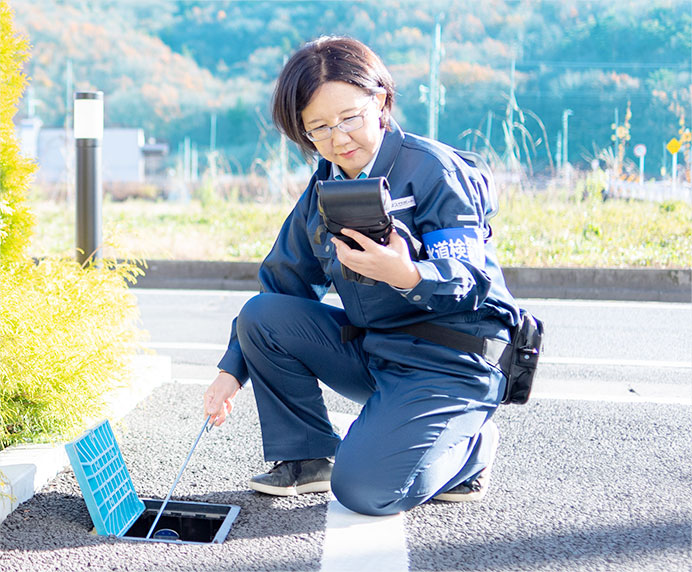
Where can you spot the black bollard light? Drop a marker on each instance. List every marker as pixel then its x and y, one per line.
pixel 88 134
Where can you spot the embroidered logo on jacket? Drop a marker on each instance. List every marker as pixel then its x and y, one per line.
pixel 464 243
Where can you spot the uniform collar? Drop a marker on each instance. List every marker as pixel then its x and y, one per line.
pixel 391 144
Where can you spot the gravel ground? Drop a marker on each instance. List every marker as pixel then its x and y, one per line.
pixel 577 487
pixel 52 530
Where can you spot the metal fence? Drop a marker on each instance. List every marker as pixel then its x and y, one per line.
pixel 658 191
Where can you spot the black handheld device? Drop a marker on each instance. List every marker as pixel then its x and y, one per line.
pixel 360 204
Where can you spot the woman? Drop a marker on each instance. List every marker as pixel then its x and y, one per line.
pixel 424 430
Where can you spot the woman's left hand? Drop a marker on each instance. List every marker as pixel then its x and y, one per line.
pixel 391 263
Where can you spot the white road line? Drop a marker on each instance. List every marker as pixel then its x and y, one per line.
pixel 190 292
pixel 615 362
pixel 334 298
pixel 612 391
pixel 538 302
pixel 342 421
pixel 567 389
pixel 358 542
pixel 364 543
pixel 197 346
pixel 185 346
pixel 192 380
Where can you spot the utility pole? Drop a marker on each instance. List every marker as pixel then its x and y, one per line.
pixel 565 155
pixel 194 163
pixel 68 92
pixel 212 133
pixel 513 160
pixel 434 93
pixel 558 151
pixel 68 106
pixel 489 127
pixel 565 130
pixel 212 149
pixel 283 156
pixel 512 97
pixel 434 98
pixel 187 159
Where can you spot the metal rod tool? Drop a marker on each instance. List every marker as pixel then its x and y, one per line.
pixel 206 427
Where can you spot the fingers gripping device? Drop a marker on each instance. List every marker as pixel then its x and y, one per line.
pixel 359 204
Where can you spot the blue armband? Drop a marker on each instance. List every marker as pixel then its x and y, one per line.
pixel 464 243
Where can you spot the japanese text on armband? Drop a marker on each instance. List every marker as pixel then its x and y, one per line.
pixel 464 243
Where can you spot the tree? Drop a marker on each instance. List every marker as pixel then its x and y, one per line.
pixel 16 222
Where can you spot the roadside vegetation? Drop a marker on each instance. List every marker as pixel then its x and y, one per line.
pixel 545 229
pixel 577 231
pixel 67 332
pixel 67 336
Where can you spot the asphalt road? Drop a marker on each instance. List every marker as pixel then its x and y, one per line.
pixel 593 474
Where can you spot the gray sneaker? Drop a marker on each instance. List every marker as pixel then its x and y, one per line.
pixel 291 478
pixel 475 489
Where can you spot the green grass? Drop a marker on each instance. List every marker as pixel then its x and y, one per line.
pixel 166 230
pixel 540 230
pixel 544 231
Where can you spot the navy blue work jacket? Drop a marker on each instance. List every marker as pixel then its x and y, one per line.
pixel 445 198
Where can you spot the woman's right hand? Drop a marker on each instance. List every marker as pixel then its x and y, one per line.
pixel 218 398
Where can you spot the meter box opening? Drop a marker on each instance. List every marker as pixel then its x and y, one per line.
pixel 116 510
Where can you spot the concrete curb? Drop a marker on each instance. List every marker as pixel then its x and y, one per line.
pixel 643 284
pixel 26 468
pixel 640 284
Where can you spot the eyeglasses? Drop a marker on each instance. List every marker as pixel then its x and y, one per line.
pixel 346 126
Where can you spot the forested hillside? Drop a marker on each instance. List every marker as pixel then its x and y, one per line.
pixel 167 66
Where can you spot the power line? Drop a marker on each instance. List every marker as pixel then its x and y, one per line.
pixel 638 93
pixel 603 65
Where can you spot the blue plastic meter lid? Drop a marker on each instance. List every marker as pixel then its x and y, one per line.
pixel 105 482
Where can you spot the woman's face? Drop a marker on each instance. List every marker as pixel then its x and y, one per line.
pixel 332 103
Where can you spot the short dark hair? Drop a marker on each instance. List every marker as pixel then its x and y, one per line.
pixel 329 58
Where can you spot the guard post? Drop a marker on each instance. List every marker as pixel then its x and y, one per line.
pixel 88 134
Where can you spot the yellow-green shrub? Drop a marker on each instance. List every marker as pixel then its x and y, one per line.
pixel 67 336
pixel 16 221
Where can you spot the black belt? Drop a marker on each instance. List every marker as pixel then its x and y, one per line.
pixel 494 351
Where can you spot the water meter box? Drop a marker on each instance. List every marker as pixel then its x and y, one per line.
pixel 116 510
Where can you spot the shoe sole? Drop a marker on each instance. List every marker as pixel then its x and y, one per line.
pixel 475 496
pixel 316 487
pixel 467 497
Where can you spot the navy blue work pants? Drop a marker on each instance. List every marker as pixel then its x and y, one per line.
pixel 420 430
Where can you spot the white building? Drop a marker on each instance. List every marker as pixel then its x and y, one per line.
pixel 124 152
